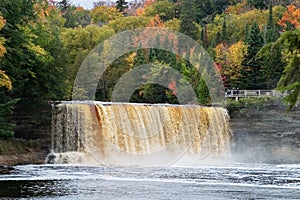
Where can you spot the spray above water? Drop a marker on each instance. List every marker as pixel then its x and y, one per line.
pixel 138 134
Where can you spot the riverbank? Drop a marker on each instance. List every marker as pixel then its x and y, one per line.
pixel 21 152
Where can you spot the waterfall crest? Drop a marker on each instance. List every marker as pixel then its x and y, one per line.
pixel 137 134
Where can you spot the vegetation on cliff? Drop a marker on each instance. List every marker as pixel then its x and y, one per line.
pixel 43 43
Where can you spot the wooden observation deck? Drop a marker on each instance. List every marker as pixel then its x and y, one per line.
pixel 233 93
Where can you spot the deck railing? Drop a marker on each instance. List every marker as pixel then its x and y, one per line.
pixel 252 93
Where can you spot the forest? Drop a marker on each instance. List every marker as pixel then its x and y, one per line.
pixel 255 44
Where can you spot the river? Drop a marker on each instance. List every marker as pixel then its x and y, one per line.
pixel 224 181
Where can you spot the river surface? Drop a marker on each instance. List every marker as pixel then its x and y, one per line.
pixel 230 181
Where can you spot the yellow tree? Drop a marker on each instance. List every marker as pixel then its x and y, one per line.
pixel 4 79
pixel 235 55
pixel 229 60
pixel 103 14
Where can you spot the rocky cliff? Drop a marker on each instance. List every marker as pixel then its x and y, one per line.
pixel 266 134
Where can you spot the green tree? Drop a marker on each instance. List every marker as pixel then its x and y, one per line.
pixel 271 34
pixel 203 93
pixel 272 65
pixel 187 24
pixel 122 5
pixel 259 4
pixel 82 17
pixel 251 77
pixel 127 23
pixel 246 33
pixel 165 9
pixel 104 14
pixel 34 60
pixel 79 42
pixel 224 31
pixel 17 60
pixel 15 52
pixel 207 9
pixel 6 128
pixel 289 82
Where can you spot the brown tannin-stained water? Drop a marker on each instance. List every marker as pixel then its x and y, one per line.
pixel 138 134
pixel 140 151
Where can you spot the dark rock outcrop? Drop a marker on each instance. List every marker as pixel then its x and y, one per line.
pixel 5 169
pixel 269 135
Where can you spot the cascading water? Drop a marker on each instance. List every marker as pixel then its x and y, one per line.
pixel 137 134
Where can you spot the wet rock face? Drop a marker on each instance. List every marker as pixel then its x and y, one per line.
pixel 5 169
pixel 266 136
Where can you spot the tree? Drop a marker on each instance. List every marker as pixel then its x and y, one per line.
pixel 236 23
pixel 35 59
pixel 173 24
pixel 291 18
pixel 203 93
pixel 6 128
pixel 272 66
pixel 82 17
pixel 289 82
pixel 207 9
pixel 230 61
pixel 164 8
pixel 68 12
pixel 79 42
pixel 103 14
pixel 224 31
pixel 4 79
pixel 246 33
pixel 271 35
pixel 251 64
pixel 121 5
pixel 259 4
pixel 187 24
pixel 127 23
pixel 16 61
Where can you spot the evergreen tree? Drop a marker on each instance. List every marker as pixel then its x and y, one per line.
pixel 259 4
pixel 246 34
pixel 290 79
pixel 207 9
pixel 203 93
pixel 272 65
pixel 67 11
pixel 224 31
pixel 34 61
pixel 218 39
pixel 251 64
pixel 270 35
pixel 122 5
pixel 187 24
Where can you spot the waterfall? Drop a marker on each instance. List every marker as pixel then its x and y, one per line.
pixel 137 134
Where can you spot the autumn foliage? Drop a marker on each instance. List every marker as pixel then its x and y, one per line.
pixel 229 59
pixel 4 80
pixel 2 49
pixel 104 14
pixel 291 16
pixel 140 11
